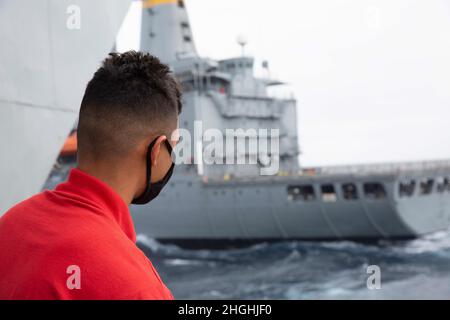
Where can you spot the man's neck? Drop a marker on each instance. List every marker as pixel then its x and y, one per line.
pixel 113 177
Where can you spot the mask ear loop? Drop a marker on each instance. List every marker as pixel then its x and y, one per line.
pixel 144 194
pixel 170 149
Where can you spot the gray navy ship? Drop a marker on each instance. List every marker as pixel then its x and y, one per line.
pixel 41 84
pixel 48 51
pixel 225 203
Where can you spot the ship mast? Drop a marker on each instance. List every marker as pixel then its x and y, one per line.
pixel 166 31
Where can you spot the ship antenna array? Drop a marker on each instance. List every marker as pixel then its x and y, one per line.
pixel 242 41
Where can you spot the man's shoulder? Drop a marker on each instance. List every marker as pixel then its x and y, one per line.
pixel 61 247
pixel 30 201
pixel 25 208
pixel 108 271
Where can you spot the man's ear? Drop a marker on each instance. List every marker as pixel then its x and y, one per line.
pixel 156 149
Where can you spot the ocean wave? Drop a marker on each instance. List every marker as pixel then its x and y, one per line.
pixel 436 242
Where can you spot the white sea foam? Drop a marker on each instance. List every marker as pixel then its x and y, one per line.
pixel 181 262
pixel 155 246
pixel 438 241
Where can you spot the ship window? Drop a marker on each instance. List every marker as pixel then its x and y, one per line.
pixel 184 24
pixel 374 190
pixel 349 191
pixel 181 3
pixel 447 184
pixel 441 184
pixel 406 188
pixel 187 38
pixel 328 193
pixel 302 193
pixel 426 186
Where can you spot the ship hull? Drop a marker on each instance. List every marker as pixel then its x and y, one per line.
pixel 43 74
pixel 195 213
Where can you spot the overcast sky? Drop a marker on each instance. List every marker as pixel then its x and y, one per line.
pixel 372 78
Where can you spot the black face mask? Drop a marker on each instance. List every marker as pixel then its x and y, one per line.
pixel 153 189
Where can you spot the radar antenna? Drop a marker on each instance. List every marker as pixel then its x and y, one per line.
pixel 242 41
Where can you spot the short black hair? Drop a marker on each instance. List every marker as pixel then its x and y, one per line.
pixel 129 97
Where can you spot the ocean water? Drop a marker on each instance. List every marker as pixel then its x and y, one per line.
pixel 416 269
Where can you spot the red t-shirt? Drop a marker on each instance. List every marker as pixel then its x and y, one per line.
pixel 76 242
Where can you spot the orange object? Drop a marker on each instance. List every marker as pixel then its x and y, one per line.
pixel 70 146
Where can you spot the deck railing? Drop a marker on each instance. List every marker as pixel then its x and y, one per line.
pixel 355 170
pixel 386 168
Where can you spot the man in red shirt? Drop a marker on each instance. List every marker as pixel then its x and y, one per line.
pixel 78 241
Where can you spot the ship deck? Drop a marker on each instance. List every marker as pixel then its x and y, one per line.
pixel 358 171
